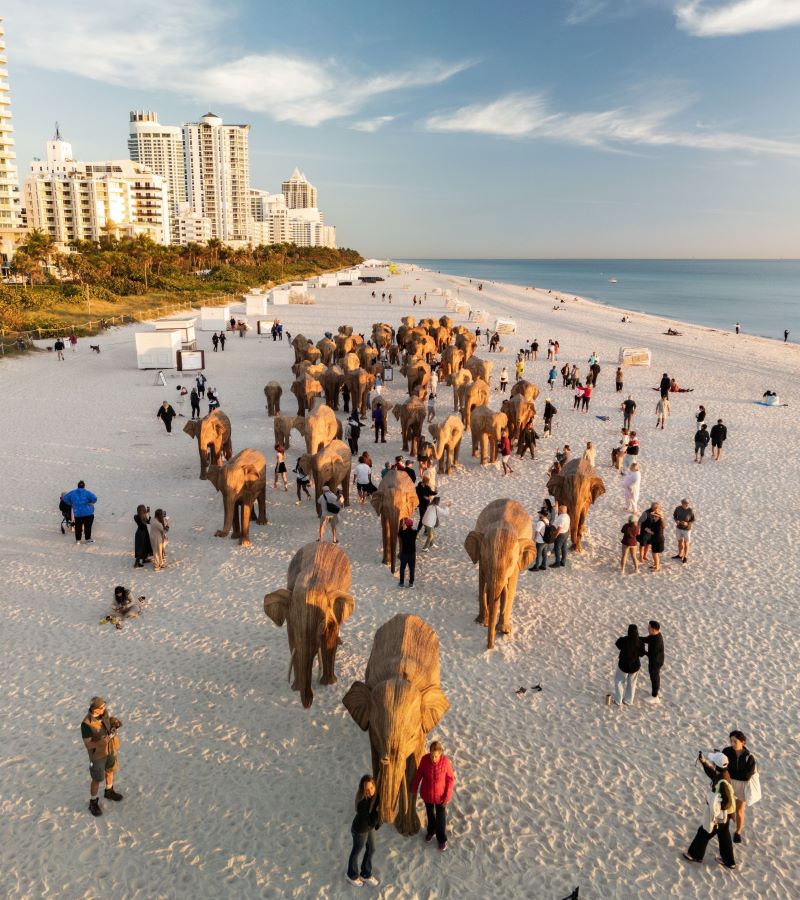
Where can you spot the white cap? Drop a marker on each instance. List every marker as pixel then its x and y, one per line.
pixel 719 760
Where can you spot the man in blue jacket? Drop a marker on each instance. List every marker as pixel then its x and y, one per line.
pixel 82 503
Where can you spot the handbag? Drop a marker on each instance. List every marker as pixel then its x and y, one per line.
pixel 752 789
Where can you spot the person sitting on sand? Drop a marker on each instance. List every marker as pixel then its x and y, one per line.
pixel 124 604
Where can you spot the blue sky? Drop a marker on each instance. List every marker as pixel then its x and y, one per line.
pixel 550 128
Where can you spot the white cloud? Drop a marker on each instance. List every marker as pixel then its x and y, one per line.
pixel 714 19
pixel 528 116
pixel 371 125
pixel 150 45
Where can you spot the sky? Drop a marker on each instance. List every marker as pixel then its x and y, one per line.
pixel 546 128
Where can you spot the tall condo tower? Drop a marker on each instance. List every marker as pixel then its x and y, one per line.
pixel 218 175
pixel 299 192
pixel 9 212
pixel 160 148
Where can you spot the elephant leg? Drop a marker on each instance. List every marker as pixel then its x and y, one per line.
pixel 246 509
pixel 236 529
pixel 405 439
pixel 330 640
pixel 262 506
pixel 508 602
pixel 386 540
pixel 494 609
pixel 407 821
pixel 345 488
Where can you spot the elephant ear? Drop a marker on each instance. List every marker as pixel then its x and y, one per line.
pixel 342 605
pixel 276 605
pixel 396 410
pixel 301 425
pixel 357 701
pixel 555 485
pixel 527 553
pixel 191 427
pixel 598 488
pixel 472 544
pixel 434 706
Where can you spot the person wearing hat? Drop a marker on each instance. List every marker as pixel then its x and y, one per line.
pixel 407 539
pixel 720 804
pixel 99 734
pixel 684 518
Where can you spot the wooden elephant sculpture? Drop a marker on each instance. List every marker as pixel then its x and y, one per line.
pixel 441 336
pixel 300 344
pixel 502 545
pixel 526 389
pixel 350 362
pixel 273 392
pixel 399 702
pixel 485 427
pixel 459 380
pixel 367 356
pixel 446 322
pixel 447 442
pixel 330 466
pixel 242 481
pixel 475 394
pixel 480 368
pixel 411 416
pixel 321 427
pixel 452 361
pixel 421 346
pixel 306 389
pixel 519 411
pixel 382 334
pixel 332 380
pixel 465 341
pixel 283 426
pixel 418 374
pixel 313 355
pixel 305 367
pixel 360 383
pixel 213 435
pixel 577 486
pixel 346 330
pixel 314 604
pixel 395 499
pixel 327 350
pixel 345 343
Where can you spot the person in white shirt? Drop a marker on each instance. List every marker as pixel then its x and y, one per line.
pixel 329 507
pixel 433 384
pixel 363 479
pixel 590 453
pixel 562 523
pixel 631 483
pixel 432 518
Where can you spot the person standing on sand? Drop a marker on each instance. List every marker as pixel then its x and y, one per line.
pixel 73 341
pixel 664 385
pixel 215 341
pixel 657 540
pixel 631 485
pixel 586 398
pixel 200 381
pixel 280 467
pixel 619 379
pixel 534 349
pixel 631 451
pixel 785 335
pixel 166 413
pixel 433 514
pixel 655 659
pixel 628 409
pixel 505 452
pixel 701 439
pixel 142 548
pixel 737 327
pixel 700 417
pixel 630 533
pixel 194 400
pixel 435 776
pixel 561 524
pixel 99 734
pixel 527 440
pixel 551 377
pixel 329 507
pixel 742 769
pixel 222 340
pixel 684 519
pixel 362 829
pixel 159 526
pixel 59 348
pixel 590 453
pixel 503 380
pixel 719 434
pixel 549 412
pixel 542 546
pixel 82 503
pixel 630 647
pixel 720 804
pixel 576 403
pixel 662 412
pixel 407 540
pixel 302 482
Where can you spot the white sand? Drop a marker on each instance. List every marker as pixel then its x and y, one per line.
pixel 232 789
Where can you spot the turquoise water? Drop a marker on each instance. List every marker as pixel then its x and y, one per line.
pixel 762 295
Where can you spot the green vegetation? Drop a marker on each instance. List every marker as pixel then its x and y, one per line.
pixel 135 276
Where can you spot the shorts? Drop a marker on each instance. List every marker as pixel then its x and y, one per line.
pixel 716 445
pixel 98 768
pixel 738 789
pixel 700 448
pixel 280 468
pixel 684 534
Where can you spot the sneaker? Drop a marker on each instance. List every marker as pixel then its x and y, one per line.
pixel 373 880
pixel 443 847
pixel 677 557
pixel 428 838
pixel 654 700
pixel 94 807
pixel 111 794
pixel 89 541
pixel 358 881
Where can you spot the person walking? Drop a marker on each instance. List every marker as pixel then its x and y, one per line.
pixel 631 484
pixel 166 413
pixel 431 409
pixel 590 454
pixel 551 377
pixel 425 492
pixel 329 507
pixel 655 659
pixel 737 327
pixel 503 380
pixel 595 370
pixel 527 440
pixel 362 829
pixel 535 349
pixel 363 478
pixel 407 540
pixel 785 335
pixel 587 396
pixel 142 548
pixel 544 535
pixel 549 412
pixel 683 516
pixel 200 381
pixel 505 452
pixel 619 379
pixel 720 804
pixel 565 370
pixel 379 422
pixel 222 340
pixel 630 647
pixel 99 733
pixel 630 534
pixel 701 439
pixel 280 467
pixel 664 385
pixel 700 416
pixel 194 400
pixel 719 434
pixel 73 341
pixel 631 451
pixel 82 503
pixel 662 412
pixel 302 482
pixel 574 377
pixel 182 394
pixel 519 369
pixel 431 520
pixel 59 348
pixel 561 523
pixel 745 782
pixel 159 527
pixel 435 776
pixel 353 431
pixel 215 341
pixel 645 532
pixel 628 409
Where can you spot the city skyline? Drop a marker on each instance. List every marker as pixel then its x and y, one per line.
pixel 658 128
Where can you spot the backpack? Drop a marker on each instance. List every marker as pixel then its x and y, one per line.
pixel 550 534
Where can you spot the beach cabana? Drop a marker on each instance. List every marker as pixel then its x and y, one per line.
pixel 505 326
pixel 214 318
pixel 255 304
pixel 634 356
pixel 184 325
pixel 478 315
pixel 157 349
pixel 461 306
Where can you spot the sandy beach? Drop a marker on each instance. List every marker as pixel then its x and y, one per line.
pixel 232 789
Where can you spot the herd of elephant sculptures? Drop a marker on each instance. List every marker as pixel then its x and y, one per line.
pixel 400 699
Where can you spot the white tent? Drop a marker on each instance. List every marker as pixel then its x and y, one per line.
pixel 505 326
pixel 478 315
pixel 157 349
pixel 214 318
pixel 184 325
pixel 634 356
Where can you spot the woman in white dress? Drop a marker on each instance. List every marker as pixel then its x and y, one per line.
pixel 159 526
pixel 631 483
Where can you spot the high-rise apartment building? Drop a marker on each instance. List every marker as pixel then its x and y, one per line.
pixel 299 192
pixel 218 175
pixel 75 201
pixel 9 196
pixel 160 148
pixel 270 219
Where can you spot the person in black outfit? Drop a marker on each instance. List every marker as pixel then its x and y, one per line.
pixel 655 658
pixel 630 647
pixel 628 410
pixel 215 341
pixel 527 440
pixel 701 416
pixel 166 413
pixel 716 767
pixel 407 538
pixel 425 493
pixel 142 548
pixel 785 335
pixel 549 412
pixel 595 369
pixel 222 340
pixel 741 768
pixel 346 398
pixel 354 431
pixel 719 434
pixel 701 439
pixel 194 399
pixel 366 822
pixel 664 384
pixel 379 420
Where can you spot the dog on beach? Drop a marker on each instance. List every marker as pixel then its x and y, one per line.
pixel 94 348
pixel 616 457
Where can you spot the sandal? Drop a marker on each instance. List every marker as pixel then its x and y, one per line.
pixel 690 858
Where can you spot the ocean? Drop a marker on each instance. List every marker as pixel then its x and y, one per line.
pixel 762 295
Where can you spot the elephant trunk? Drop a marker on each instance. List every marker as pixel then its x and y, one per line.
pixel 303 663
pixel 229 509
pixel 493 585
pixel 390 782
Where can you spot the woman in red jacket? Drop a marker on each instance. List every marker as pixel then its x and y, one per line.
pixel 435 773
